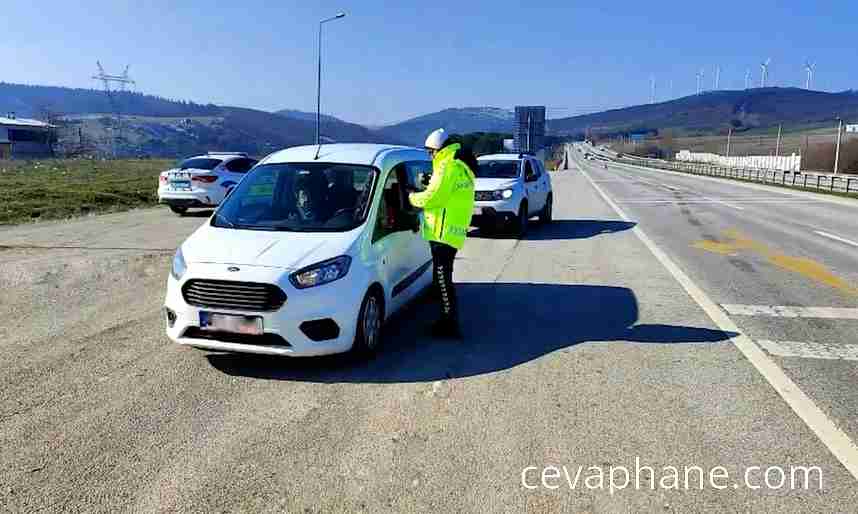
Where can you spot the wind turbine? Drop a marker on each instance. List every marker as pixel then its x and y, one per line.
pixel 748 79
pixel 765 71
pixel 810 68
pixel 717 76
pixel 700 75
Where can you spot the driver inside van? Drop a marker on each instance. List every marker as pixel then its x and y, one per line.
pixel 311 203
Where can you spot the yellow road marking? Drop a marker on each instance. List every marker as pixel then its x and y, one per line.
pixel 808 268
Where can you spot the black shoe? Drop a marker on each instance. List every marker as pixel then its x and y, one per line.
pixel 446 329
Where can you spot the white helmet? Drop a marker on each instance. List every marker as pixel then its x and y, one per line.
pixel 436 139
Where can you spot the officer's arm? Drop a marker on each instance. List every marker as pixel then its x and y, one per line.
pixel 437 193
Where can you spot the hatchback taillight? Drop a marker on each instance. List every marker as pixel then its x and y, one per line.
pixel 163 179
pixel 208 179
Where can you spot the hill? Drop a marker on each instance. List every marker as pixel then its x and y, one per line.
pixel 715 111
pixel 307 116
pixel 155 126
pixel 32 101
pixel 455 120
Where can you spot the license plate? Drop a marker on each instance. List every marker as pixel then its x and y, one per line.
pixel 180 184
pixel 477 211
pixel 236 324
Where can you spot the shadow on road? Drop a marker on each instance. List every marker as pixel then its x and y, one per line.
pixel 505 325
pixel 561 230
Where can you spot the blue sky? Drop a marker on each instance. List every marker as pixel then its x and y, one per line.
pixel 388 61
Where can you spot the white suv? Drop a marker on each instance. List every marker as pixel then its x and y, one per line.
pixel 510 189
pixel 308 255
pixel 202 181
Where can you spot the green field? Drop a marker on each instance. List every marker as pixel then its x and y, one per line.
pixel 61 188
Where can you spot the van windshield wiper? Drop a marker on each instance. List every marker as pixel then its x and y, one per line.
pixel 219 216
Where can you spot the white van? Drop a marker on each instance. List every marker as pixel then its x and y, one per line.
pixel 314 249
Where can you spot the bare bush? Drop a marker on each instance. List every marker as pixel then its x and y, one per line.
pixel 820 157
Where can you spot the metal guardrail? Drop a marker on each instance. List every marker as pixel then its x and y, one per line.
pixel 817 181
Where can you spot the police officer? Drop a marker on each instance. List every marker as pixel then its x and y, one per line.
pixel 447 203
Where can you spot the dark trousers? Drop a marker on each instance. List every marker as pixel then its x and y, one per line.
pixel 442 275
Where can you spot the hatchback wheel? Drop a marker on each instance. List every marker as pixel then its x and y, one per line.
pixel 522 221
pixel 178 210
pixel 545 215
pixel 369 324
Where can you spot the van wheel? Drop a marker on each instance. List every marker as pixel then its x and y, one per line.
pixel 369 324
pixel 546 214
pixel 522 221
pixel 178 210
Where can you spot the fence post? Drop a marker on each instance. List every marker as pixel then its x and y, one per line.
pixel 848 183
pixel 832 183
pixel 818 179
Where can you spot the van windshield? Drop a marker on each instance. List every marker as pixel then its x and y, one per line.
pixel 314 197
pixel 497 169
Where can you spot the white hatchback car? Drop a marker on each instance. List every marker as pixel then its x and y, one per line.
pixel 510 189
pixel 202 181
pixel 308 255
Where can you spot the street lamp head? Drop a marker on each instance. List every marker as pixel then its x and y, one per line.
pixel 332 18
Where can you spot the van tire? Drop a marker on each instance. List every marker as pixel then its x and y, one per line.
pixel 370 321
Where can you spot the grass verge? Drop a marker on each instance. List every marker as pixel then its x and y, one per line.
pixel 62 188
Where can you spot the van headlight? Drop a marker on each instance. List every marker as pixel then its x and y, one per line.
pixel 179 266
pixel 502 194
pixel 321 273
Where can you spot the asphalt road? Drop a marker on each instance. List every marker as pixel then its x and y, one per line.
pixel 582 349
pixel 759 247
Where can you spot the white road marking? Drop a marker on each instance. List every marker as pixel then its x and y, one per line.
pixel 837 442
pixel 715 200
pixel 726 204
pixel 785 311
pixel 844 352
pixel 836 238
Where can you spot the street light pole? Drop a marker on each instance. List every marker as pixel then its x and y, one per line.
pixel 319 80
pixel 837 152
pixel 778 144
pixel 729 136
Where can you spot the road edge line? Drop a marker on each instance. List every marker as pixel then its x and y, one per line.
pixel 837 442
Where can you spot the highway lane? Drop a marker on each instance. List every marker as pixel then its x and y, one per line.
pixel 751 249
pixel 581 350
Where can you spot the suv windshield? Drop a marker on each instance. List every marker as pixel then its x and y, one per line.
pixel 314 197
pixel 199 163
pixel 497 169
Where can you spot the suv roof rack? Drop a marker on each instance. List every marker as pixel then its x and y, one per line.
pixel 242 154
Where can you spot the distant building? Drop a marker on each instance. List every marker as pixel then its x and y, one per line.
pixel 852 128
pixel 23 138
pixel 529 128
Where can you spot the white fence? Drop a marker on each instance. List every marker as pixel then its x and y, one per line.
pixel 762 162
